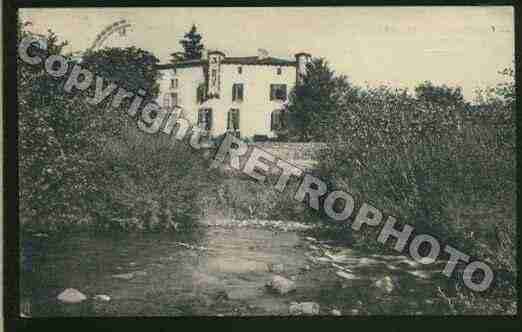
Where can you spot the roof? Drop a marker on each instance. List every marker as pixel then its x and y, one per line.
pixel 248 60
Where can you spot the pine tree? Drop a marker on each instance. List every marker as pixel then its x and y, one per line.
pixel 192 44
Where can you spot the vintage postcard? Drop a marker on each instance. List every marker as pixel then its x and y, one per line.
pixel 266 161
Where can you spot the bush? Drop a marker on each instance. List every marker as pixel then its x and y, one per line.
pixel 152 182
pixel 85 165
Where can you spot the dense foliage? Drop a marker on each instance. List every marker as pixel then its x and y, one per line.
pixel 432 160
pixel 314 103
pixel 84 164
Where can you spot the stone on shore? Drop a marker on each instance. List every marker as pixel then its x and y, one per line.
pixel 71 295
pixel 281 285
pixel 335 312
pixel 304 308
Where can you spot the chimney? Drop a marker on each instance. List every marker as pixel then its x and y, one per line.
pixel 262 54
pixel 301 60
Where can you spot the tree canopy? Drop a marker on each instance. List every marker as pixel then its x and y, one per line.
pixel 314 102
pixel 192 45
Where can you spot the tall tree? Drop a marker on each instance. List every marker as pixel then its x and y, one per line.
pixel 192 44
pixel 314 103
pixel 130 67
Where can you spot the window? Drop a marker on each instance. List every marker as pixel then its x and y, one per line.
pixel 240 70
pixel 174 83
pixel 173 99
pixel 278 92
pixel 205 118
pixel 278 120
pixel 237 92
pixel 233 119
pixel 279 71
pixel 201 93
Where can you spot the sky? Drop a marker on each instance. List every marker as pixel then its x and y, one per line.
pixel 397 46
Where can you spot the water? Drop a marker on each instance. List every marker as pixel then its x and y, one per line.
pixel 223 273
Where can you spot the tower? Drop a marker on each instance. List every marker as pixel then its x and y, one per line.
pixel 214 73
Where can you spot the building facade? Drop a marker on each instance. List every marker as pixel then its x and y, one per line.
pixel 242 95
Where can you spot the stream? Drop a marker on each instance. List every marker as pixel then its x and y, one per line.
pixel 217 271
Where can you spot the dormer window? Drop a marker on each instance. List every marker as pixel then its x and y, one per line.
pixel 240 70
pixel 279 71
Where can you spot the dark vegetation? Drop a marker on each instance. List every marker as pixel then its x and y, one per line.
pixel 89 165
pixel 430 159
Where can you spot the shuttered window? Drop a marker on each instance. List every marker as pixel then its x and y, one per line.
pixel 174 99
pixel 200 93
pixel 237 92
pixel 277 120
pixel 233 119
pixel 205 118
pixel 278 92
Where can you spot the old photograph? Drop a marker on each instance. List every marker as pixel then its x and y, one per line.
pixel 266 161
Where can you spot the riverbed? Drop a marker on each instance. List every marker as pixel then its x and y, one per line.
pixel 217 271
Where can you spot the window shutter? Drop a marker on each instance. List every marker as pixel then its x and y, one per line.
pixel 229 114
pixel 272 121
pixel 208 115
pixel 272 92
pixel 283 119
pixel 234 86
pixel 235 119
pixel 240 92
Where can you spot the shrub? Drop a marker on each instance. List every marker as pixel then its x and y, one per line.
pixel 152 182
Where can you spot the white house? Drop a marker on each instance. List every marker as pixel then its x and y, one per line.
pixel 243 95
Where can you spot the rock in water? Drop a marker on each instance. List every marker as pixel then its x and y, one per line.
pixel 385 285
pixel 102 297
pixel 304 308
pixel 71 295
pixel 335 312
pixel 281 285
